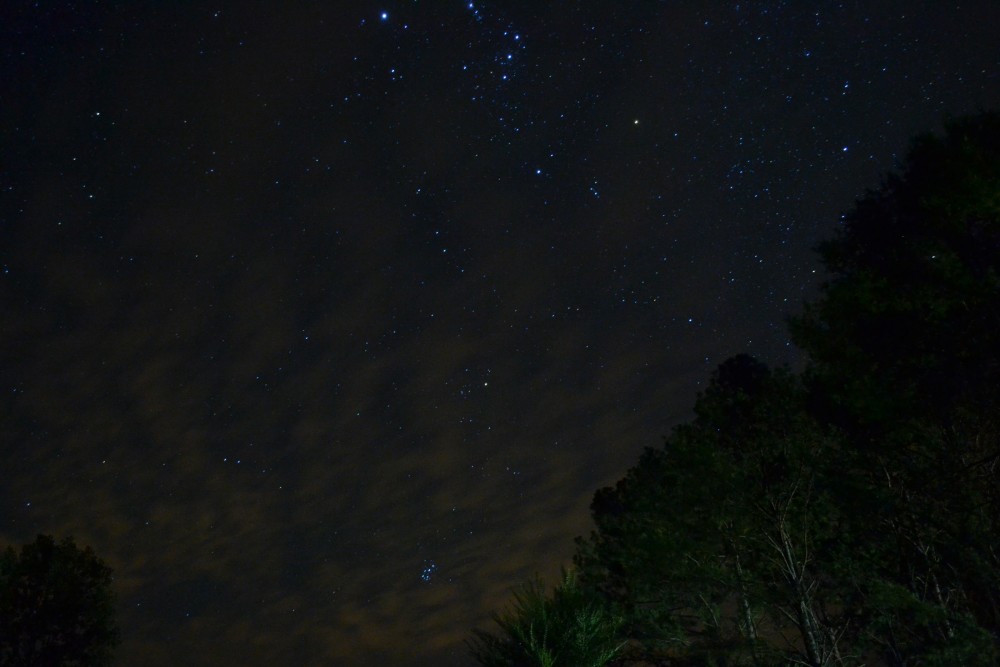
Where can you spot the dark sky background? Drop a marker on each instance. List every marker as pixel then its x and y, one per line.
pixel 322 326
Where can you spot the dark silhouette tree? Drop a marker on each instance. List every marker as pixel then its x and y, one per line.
pixel 904 348
pixel 848 516
pixel 568 628
pixel 56 606
pixel 909 323
pixel 713 546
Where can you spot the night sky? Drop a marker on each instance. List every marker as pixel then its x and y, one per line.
pixel 322 322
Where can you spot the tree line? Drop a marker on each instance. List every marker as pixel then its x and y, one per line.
pixel 843 515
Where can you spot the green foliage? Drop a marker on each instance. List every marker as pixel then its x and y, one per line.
pixel 570 628
pixel 56 606
pixel 909 630
pixel 905 357
pixel 909 323
pixel 712 540
pixel 849 516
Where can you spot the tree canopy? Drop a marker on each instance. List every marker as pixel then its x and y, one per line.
pixel 847 515
pixel 56 606
pixel 909 323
